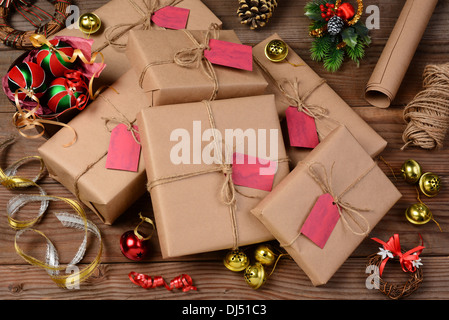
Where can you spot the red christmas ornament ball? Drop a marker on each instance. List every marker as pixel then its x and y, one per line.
pixel 51 60
pixel 62 94
pixel 132 247
pixel 346 11
pixel 29 76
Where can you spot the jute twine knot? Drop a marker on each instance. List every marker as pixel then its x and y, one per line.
pixel 427 115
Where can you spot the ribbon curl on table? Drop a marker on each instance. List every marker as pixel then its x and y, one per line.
pixel 114 33
pixel 9 179
pixel 183 282
pixel 344 208
pixel 406 259
pixel 51 265
pixel 192 57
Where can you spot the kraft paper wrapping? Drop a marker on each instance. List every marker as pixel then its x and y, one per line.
pixel 169 83
pixel 339 112
pixel 189 213
pixel 124 12
pixel 283 212
pixel 106 192
pixel 395 59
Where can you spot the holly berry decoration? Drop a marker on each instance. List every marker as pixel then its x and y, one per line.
pixel 64 93
pixel 337 32
pixel 51 60
pixel 28 76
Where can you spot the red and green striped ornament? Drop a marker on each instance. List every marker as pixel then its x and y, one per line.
pixel 51 60
pixel 28 76
pixel 63 94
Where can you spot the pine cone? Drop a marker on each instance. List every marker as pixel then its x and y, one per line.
pixel 335 25
pixel 256 13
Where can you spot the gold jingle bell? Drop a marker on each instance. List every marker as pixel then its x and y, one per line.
pixel 264 255
pixel 430 184
pixel 89 23
pixel 276 50
pixel 411 171
pixel 418 214
pixel 255 275
pixel 236 260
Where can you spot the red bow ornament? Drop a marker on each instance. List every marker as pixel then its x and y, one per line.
pixel 409 260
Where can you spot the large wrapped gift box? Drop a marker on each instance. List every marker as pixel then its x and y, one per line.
pixel 118 16
pixel 167 82
pixel 300 83
pixel 191 193
pixel 81 167
pixel 320 231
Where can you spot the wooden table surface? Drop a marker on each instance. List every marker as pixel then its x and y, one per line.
pixel 19 280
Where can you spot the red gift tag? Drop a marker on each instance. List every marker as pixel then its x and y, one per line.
pixel 321 221
pixel 230 54
pixel 253 172
pixel 302 130
pixel 124 151
pixel 171 17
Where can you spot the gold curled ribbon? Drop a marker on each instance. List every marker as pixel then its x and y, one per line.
pixel 136 229
pixel 9 179
pixel 25 120
pixel 38 40
pixel 70 221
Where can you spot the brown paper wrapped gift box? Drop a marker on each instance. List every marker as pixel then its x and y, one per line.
pixel 189 212
pixel 321 94
pixel 81 167
pixel 286 208
pixel 152 55
pixel 130 12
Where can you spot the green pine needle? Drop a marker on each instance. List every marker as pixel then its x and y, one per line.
pixel 334 59
pixel 320 48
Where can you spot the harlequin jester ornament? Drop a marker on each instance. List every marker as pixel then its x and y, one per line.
pixel 337 32
pixel 30 77
pixel 51 60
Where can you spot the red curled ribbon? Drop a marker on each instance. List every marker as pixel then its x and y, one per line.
pixel 75 79
pixel 183 282
pixel 406 259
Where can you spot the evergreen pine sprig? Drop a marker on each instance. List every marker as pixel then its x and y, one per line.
pixel 351 42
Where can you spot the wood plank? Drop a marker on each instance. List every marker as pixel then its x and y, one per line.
pixel 214 282
pixel 18 280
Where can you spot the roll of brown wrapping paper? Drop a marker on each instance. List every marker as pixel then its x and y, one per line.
pixel 401 46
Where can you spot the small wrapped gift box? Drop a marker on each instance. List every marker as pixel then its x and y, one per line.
pixel 202 193
pixel 82 167
pixel 308 106
pixel 174 66
pixel 327 205
pixel 118 17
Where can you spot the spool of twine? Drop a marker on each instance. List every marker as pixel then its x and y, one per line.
pixel 427 115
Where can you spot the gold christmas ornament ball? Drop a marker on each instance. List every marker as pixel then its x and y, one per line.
pixel 418 214
pixel 276 50
pixel 430 184
pixel 89 23
pixel 255 275
pixel 264 255
pixel 236 260
pixel 411 171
